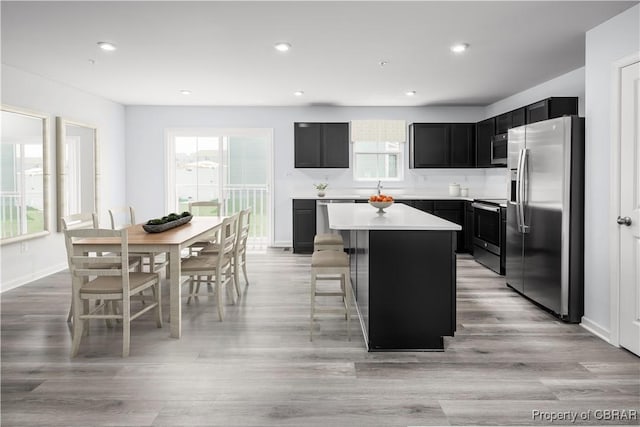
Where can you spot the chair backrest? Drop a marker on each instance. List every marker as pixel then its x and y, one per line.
pixel 228 234
pixel 244 223
pixel 114 264
pixel 122 217
pixel 81 220
pixel 205 208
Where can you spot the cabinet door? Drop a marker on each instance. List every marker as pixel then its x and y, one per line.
pixel 335 145
pixel 430 145
pixel 484 131
pixel 307 144
pixel 468 227
pixel 463 142
pixel 503 122
pixel 538 111
pixel 424 205
pixel 452 211
pixel 518 117
pixel 304 225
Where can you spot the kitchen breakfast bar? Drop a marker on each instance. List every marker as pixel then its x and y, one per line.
pixel 403 274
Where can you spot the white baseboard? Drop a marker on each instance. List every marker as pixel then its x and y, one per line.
pixel 27 278
pixel 282 244
pixel 597 330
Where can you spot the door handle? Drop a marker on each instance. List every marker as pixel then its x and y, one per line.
pixel 523 188
pixel 624 220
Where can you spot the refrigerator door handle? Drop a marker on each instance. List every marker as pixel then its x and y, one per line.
pixel 523 189
pixel 518 191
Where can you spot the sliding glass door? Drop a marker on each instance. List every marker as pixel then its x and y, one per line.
pixel 230 166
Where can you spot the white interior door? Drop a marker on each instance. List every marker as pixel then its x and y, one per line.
pixel 629 212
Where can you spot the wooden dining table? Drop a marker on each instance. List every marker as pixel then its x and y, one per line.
pixel 171 242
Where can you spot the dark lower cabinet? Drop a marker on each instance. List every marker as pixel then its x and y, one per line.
pixel 304 225
pixel 404 283
pixel 468 228
pixel 452 211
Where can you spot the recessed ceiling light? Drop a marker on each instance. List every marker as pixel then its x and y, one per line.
pixel 298 93
pixel 185 92
pixel 459 48
pixel 410 92
pixel 282 46
pixel 107 46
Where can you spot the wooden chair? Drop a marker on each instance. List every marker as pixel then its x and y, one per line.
pixel 86 221
pixel 76 222
pixel 125 216
pixel 326 265
pixel 96 278
pixel 216 268
pixel 239 250
pixel 204 208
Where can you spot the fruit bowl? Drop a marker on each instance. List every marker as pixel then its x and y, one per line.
pixel 380 205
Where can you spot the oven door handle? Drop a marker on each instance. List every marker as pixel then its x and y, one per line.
pixel 484 207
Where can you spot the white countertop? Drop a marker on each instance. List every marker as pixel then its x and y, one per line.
pixel 363 216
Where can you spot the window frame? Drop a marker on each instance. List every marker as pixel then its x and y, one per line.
pixel 45 176
pixel 400 164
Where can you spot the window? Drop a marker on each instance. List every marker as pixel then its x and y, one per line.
pixel 378 149
pixel 230 166
pixel 373 161
pixel 23 155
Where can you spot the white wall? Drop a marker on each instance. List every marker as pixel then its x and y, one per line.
pixel 569 84
pixel 145 147
pixel 615 39
pixel 32 259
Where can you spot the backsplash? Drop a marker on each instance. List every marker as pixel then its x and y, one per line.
pixel 480 182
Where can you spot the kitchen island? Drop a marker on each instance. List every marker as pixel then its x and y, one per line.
pixel 403 274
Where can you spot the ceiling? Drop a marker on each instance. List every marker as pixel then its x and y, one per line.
pixel 224 51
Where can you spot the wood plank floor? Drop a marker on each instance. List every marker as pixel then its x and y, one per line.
pixel 258 368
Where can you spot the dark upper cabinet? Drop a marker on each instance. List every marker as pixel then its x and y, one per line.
pixel 304 225
pixel 335 148
pixel 509 120
pixel 551 108
pixel 463 145
pixel 518 117
pixel 307 140
pixel 429 145
pixel 503 122
pixel 484 132
pixel 441 145
pixel 321 145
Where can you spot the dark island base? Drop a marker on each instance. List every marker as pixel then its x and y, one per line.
pixel 405 288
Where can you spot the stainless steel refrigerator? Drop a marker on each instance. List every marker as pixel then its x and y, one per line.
pixel 545 214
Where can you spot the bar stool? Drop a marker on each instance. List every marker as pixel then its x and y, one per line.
pixel 328 242
pixel 331 265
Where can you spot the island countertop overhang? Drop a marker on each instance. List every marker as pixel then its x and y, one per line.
pixel 361 216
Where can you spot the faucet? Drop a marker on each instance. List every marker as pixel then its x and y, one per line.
pixel 379 187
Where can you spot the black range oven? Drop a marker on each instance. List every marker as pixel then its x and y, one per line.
pixel 489 233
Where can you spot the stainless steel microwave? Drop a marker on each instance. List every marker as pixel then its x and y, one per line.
pixel 499 149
